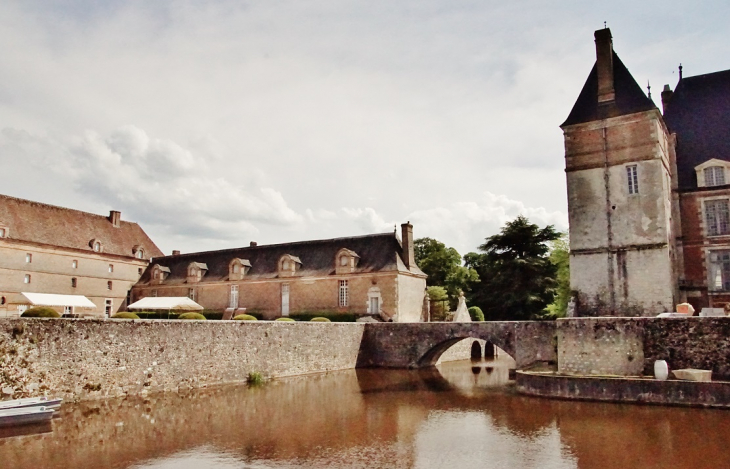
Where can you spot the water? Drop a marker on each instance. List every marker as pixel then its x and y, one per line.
pixel 462 415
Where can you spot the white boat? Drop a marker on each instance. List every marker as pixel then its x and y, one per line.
pixel 24 415
pixel 43 401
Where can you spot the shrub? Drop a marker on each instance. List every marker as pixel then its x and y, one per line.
pixel 125 316
pixel 319 319
pixel 40 312
pixel 212 314
pixel 284 319
pixel 255 379
pixel 191 316
pixel 333 316
pixel 245 317
pixel 476 313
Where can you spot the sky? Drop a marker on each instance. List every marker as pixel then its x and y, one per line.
pixel 216 123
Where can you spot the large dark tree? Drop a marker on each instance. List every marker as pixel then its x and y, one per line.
pixel 517 279
pixel 443 266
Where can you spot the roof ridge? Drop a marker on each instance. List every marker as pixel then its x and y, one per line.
pixel 58 207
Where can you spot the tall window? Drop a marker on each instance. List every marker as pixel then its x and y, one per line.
pixel 109 285
pixel 233 303
pixel 26 279
pixel 633 179
pixel 714 176
pixel 29 258
pixel 73 282
pixel 74 264
pixel 139 254
pixel 2 232
pixel 154 293
pixel 720 270
pixel 111 268
pixel 97 246
pixel 108 307
pixel 717 217
pixel 191 293
pixel 343 293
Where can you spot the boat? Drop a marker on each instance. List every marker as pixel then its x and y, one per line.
pixel 24 416
pixel 43 401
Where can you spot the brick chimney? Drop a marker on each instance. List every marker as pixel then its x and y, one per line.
pixel 604 66
pixel 175 252
pixel 409 256
pixel 667 94
pixel 253 244
pixel 115 217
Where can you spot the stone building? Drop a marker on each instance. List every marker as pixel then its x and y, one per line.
pixel 55 250
pixel 647 199
pixel 373 274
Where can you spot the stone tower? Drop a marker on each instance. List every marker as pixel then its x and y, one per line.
pixel 618 162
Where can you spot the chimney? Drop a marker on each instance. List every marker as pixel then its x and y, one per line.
pixel 253 244
pixel 115 218
pixel 409 256
pixel 604 66
pixel 175 252
pixel 667 94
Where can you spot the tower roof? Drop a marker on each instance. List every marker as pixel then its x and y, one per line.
pixel 630 98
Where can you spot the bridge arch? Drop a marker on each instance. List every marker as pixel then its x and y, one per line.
pixel 432 355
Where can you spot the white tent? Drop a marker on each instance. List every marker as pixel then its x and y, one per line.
pixel 168 303
pixel 50 299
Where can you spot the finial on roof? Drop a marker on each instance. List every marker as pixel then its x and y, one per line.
pixel 648 87
pixel 604 25
pixel 680 71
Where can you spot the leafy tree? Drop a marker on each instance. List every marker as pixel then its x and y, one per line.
pixel 517 279
pixel 560 257
pixel 439 302
pixel 443 267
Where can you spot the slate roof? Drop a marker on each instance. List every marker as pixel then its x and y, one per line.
pixel 35 222
pixel 699 113
pixel 630 98
pixel 378 253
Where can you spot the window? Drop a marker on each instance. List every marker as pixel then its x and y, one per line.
pixel 633 179
pixel 109 285
pixel 238 268
pixel 74 264
pixel 73 282
pixel 28 258
pixel 139 254
pixel 374 300
pixel 343 261
pixel 191 293
pixel 719 270
pixel 111 268
pixel 154 293
pixel 714 176
pixel 96 246
pixel 68 310
pixel 233 303
pixel 343 293
pixel 3 232
pixel 139 271
pixel 717 217
pixel 108 307
pixel 26 279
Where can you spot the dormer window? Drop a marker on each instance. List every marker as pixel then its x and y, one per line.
pixel 346 261
pixel 712 173
pixel 714 176
pixel 238 268
pixel 138 252
pixel 159 273
pixel 196 270
pixel 288 265
pixel 95 245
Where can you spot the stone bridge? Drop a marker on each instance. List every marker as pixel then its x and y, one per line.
pixel 419 345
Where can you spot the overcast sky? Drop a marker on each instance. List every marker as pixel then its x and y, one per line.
pixel 214 123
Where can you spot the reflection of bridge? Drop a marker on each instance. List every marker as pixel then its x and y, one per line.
pixel 417 345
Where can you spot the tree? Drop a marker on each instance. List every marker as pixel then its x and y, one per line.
pixel 443 267
pixel 439 303
pixel 517 279
pixel 560 257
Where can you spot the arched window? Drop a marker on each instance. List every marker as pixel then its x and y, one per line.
pixel 138 251
pixel 238 268
pixel 288 265
pixel 196 270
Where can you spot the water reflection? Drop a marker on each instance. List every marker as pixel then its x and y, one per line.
pixel 459 415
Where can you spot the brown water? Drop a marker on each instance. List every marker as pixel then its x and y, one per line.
pixel 457 416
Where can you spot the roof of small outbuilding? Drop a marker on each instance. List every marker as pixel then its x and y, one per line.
pixel 377 252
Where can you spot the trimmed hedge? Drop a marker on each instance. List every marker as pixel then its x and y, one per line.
pixel 476 313
pixel 284 319
pixel 331 315
pixel 124 315
pixel 40 312
pixel 197 316
pixel 245 317
pixel 319 319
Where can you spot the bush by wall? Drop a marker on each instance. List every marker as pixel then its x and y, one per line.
pixel 40 312
pixel 245 317
pixel 476 313
pixel 333 316
pixel 284 319
pixel 124 315
pixel 319 319
pixel 197 316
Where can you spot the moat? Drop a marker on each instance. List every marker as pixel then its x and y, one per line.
pixel 459 414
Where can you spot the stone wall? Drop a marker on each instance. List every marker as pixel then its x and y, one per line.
pixel 629 346
pixel 90 359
